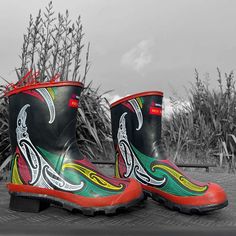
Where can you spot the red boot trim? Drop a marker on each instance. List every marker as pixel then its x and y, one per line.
pixel 214 195
pixel 42 85
pixel 132 192
pixel 148 93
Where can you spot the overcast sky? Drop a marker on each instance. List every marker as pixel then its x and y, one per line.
pixel 137 45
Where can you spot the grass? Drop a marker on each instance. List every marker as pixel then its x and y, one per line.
pixel 53 45
pixel 94 126
pixel 204 129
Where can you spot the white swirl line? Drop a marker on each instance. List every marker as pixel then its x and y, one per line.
pixel 48 99
pixel 138 112
pixel 39 164
pixel 134 168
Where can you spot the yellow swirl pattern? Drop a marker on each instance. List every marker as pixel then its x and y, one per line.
pixel 92 175
pixel 15 174
pixel 139 102
pixel 117 168
pixel 182 179
pixel 51 92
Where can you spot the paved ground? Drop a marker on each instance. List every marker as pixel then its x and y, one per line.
pixel 150 215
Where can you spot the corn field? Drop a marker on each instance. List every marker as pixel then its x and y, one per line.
pixel 204 129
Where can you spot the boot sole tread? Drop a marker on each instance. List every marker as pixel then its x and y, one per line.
pixel 37 202
pixel 187 209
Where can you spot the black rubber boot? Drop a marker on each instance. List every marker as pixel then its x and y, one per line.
pixel 136 130
pixel 47 166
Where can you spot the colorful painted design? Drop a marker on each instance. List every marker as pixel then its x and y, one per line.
pixel 173 185
pixel 132 163
pixel 149 171
pixel 126 104
pixel 117 174
pixel 120 168
pixel 181 178
pixel 135 104
pixel 46 94
pixel 34 94
pixel 51 92
pixel 93 176
pixel 140 102
pixel 24 171
pixel 75 176
pixel 15 177
pixel 35 166
pixel 43 175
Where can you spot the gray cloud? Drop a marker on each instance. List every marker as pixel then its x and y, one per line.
pixel 139 56
pixel 188 34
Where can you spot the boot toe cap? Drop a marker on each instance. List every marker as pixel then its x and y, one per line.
pixel 132 192
pixel 215 194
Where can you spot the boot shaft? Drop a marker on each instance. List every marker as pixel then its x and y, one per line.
pixel 137 119
pixel 136 130
pixel 44 146
pixel 46 161
pixel 47 114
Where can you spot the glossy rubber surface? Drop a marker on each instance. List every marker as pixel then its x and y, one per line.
pixel 136 131
pixel 46 159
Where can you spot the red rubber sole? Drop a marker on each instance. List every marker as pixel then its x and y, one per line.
pixel 28 202
pixel 212 200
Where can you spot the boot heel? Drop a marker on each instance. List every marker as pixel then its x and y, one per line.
pixel 18 203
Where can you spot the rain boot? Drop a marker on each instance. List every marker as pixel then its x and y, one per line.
pixel 47 166
pixel 136 131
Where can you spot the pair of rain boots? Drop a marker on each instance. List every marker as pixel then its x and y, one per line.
pixel 47 166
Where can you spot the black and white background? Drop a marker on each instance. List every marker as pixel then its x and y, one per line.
pixel 136 45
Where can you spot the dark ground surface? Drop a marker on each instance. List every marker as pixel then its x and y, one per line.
pixel 149 217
